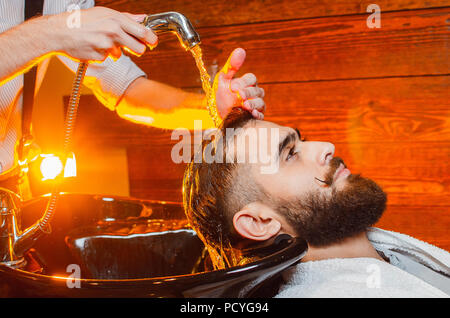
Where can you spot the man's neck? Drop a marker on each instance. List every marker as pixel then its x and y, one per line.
pixel 357 246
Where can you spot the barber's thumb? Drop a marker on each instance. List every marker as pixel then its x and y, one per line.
pixel 234 63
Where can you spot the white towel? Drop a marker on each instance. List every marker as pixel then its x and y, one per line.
pixel 368 277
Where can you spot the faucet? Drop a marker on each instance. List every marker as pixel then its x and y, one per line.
pixel 173 22
pixel 13 242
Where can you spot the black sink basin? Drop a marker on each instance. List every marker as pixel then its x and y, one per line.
pixel 123 247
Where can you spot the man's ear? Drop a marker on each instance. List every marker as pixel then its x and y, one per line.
pixel 257 221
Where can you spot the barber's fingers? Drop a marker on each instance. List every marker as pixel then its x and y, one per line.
pixel 130 44
pixel 251 92
pixel 245 80
pixel 135 17
pixel 257 104
pixel 257 114
pixel 130 25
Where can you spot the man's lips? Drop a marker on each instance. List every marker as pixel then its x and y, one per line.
pixel 342 171
pixel 337 169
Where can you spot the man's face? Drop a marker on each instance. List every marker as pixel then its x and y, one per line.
pixel 300 166
pixel 318 196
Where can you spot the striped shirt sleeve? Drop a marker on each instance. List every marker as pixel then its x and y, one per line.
pixel 110 79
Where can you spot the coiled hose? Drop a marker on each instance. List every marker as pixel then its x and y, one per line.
pixel 69 124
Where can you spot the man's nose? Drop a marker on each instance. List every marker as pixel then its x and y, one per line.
pixel 323 152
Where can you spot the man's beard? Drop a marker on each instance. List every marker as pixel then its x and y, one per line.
pixel 323 220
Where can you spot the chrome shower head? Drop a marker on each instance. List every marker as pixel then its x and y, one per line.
pixel 173 22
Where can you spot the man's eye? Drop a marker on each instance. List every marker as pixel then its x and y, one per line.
pixel 292 153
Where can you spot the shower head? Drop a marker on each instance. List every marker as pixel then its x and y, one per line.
pixel 173 22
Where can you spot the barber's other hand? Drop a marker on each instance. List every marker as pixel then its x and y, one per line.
pixel 102 32
pixel 242 91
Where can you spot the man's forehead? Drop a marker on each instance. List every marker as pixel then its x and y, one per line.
pixel 254 131
pixel 266 124
pixel 283 130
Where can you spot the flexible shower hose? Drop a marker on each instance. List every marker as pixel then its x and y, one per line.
pixel 69 124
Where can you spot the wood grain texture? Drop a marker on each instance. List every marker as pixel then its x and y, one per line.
pixel 408 43
pixel 220 13
pixel 398 110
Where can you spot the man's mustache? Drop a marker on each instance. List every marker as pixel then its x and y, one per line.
pixel 334 165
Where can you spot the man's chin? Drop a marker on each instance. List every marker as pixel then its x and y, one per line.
pixel 348 212
pixel 342 183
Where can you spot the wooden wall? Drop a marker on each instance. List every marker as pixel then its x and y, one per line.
pixel 380 95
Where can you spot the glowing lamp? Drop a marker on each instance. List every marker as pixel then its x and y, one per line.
pixel 51 166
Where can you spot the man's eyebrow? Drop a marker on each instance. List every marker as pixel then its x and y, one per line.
pixel 289 138
pixel 298 134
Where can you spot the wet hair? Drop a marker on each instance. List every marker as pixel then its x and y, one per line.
pixel 214 191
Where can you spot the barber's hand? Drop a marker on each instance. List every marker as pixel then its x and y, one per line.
pixel 102 32
pixel 242 91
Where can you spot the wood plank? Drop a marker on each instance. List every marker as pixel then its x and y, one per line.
pixel 219 12
pixel 400 110
pixel 408 43
pixel 378 110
